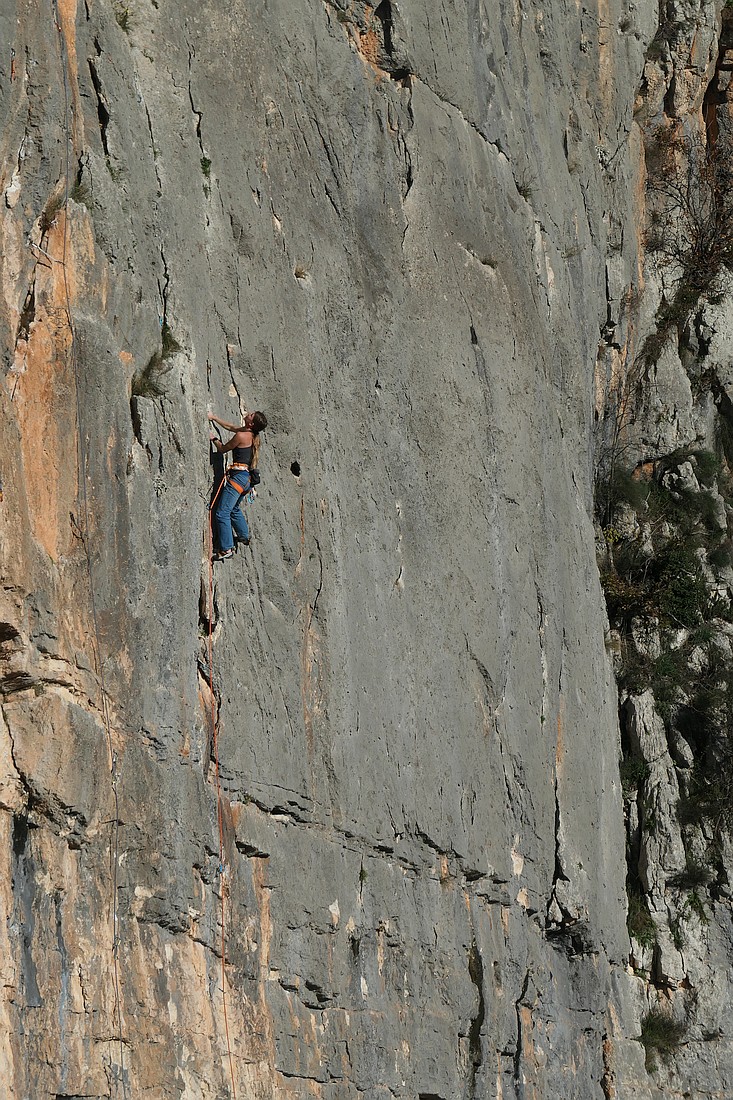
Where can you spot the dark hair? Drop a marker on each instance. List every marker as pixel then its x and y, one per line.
pixel 259 422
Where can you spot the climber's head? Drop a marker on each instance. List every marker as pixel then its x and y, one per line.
pixel 255 422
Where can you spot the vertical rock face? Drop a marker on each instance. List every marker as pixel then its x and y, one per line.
pixel 401 231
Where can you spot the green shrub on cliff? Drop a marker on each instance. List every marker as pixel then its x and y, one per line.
pixel 639 921
pixel 660 1034
pixel 691 226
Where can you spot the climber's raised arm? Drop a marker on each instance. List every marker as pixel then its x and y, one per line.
pixel 224 424
pixel 239 439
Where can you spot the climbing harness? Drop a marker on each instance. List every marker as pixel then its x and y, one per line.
pixel 235 485
pixel 84 535
pixel 219 806
pixel 230 479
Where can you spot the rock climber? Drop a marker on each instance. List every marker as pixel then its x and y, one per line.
pixel 229 520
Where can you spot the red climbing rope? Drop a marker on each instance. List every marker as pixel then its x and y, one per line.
pixel 219 808
pixel 99 668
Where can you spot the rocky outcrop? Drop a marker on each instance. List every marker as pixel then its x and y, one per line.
pixel 346 819
pixel 666 564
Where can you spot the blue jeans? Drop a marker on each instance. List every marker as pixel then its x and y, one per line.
pixel 228 517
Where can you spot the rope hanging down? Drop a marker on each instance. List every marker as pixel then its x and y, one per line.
pixel 219 807
pixel 84 533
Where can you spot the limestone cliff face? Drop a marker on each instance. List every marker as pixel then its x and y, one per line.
pixel 401 231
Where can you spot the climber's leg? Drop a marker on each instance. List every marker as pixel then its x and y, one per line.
pixel 239 522
pixel 223 516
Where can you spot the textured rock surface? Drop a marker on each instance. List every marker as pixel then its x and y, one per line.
pixel 402 233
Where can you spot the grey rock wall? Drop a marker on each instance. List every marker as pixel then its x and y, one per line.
pixel 402 233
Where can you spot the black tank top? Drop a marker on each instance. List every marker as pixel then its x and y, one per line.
pixel 242 455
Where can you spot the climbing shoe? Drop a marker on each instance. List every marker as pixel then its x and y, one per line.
pixel 240 542
pixel 223 555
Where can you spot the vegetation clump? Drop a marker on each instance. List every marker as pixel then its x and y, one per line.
pixel 660 1034
pixel 695 874
pixel 123 17
pixel 691 226
pixel 81 194
pixel 633 772
pixel 168 341
pixel 662 539
pixel 50 210
pixel 639 920
pixel 708 798
pixel 654 564
pixel 148 382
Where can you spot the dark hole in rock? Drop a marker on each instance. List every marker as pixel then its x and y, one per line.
pixel 295 469
pixel 384 15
